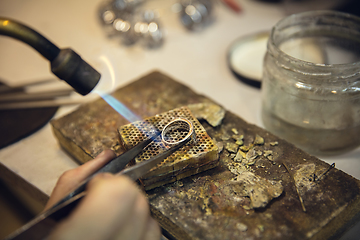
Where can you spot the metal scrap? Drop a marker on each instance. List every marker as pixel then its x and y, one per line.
pixel 235 131
pixel 296 186
pixel 238 139
pixel 220 145
pixel 240 155
pixel 325 172
pixel 231 147
pixel 260 190
pixel 210 112
pixel 251 156
pixel 258 140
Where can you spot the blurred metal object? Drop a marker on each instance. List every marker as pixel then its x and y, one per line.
pixel 37 94
pixel 123 19
pixel 196 14
pixel 149 30
pixel 126 5
pixel 124 28
pixel 128 21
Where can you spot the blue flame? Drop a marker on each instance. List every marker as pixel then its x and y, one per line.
pixel 106 85
pixel 120 108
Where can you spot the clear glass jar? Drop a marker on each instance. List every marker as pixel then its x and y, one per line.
pixel 311 81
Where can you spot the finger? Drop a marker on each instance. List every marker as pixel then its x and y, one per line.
pixel 152 231
pixel 107 207
pixel 135 227
pixel 71 178
pixel 82 172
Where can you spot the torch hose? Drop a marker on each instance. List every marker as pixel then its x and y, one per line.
pixel 27 35
pixel 65 63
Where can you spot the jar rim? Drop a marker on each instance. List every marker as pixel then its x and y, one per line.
pixel 273 46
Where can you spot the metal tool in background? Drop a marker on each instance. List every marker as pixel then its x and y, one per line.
pixel 196 14
pixel 45 93
pixel 178 133
pixel 65 63
pixel 124 20
pixel 132 21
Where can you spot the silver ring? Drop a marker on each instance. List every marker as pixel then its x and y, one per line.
pixel 177 131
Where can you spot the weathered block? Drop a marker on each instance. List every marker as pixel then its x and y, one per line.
pixel 254 193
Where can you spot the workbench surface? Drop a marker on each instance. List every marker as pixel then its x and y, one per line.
pixel 197 60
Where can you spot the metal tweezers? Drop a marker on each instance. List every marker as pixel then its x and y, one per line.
pixel 42 225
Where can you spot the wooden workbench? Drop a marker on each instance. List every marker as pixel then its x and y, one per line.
pixel 301 197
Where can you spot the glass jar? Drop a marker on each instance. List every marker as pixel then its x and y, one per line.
pixel 311 81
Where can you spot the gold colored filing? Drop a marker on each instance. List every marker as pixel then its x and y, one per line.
pixel 189 160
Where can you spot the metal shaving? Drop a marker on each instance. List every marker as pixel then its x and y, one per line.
pixel 231 147
pixel 242 227
pixel 245 148
pixel 210 112
pixel 296 187
pixel 260 190
pixel 220 145
pixel 225 137
pixel 240 155
pixel 237 168
pixel 235 131
pixel 238 139
pixel 302 177
pixel 258 140
pixel 268 154
pixel 251 155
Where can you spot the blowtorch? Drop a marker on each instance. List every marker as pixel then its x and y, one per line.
pixel 65 63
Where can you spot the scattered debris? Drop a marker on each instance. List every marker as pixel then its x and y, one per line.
pixel 240 155
pixel 220 145
pixel 238 139
pixel 231 147
pixel 242 227
pixel 251 155
pixel 302 177
pixel 258 140
pixel 225 136
pixel 179 183
pixel 296 187
pixel 324 173
pixel 245 148
pixel 240 159
pixel 260 190
pixel 235 131
pixel 269 155
pixel 210 112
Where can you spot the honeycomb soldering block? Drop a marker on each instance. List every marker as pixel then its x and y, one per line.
pixel 190 159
